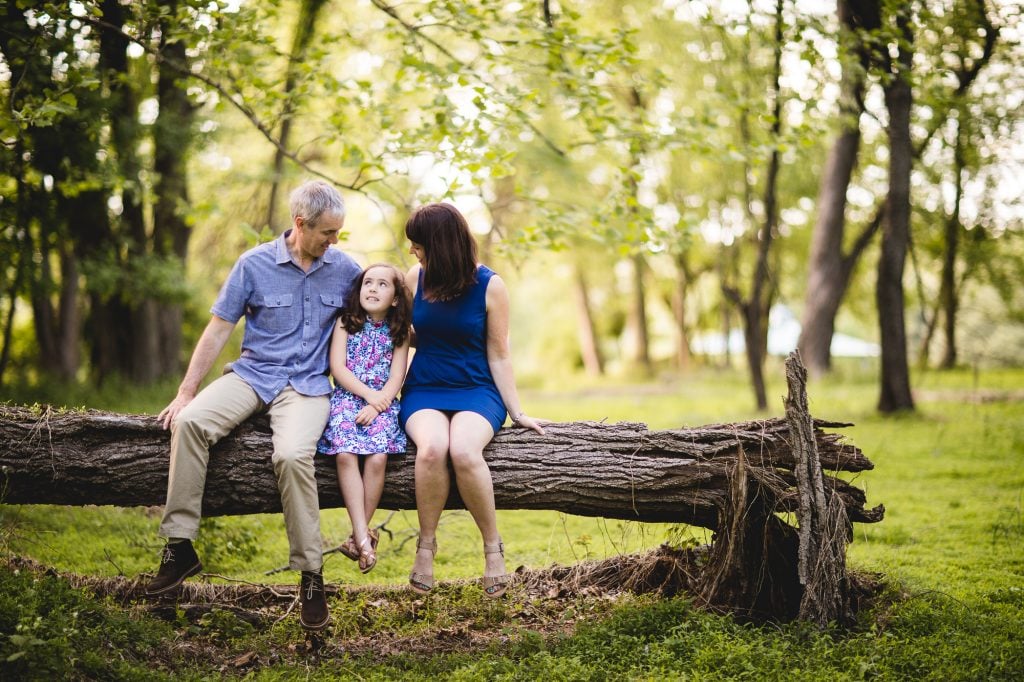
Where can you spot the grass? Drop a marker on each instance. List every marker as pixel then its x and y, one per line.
pixel 951 549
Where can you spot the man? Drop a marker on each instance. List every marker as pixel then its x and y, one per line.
pixel 290 291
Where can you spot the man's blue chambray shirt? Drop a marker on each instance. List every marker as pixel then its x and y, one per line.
pixel 289 315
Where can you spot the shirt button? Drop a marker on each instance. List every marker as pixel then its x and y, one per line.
pixel 307 323
pixel 307 298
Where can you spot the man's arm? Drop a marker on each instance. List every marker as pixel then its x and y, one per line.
pixel 210 344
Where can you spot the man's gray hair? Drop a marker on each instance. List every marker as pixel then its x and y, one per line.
pixel 314 198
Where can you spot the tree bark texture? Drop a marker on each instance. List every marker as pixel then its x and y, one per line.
pixel 622 471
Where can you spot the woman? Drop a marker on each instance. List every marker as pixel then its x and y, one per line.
pixel 459 386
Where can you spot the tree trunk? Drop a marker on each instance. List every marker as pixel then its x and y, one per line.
pixel 947 290
pixel 684 357
pixel 638 317
pixel 70 317
pixel 895 373
pixel 826 284
pixel 124 125
pixel 172 139
pixel 829 272
pixel 23 252
pixel 754 331
pixel 755 308
pixel 590 348
pixel 43 315
pixel 621 471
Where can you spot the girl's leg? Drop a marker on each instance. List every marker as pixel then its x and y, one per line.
pixel 374 467
pixel 428 429
pixel 470 433
pixel 351 484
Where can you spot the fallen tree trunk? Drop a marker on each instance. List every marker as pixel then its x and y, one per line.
pixel 622 471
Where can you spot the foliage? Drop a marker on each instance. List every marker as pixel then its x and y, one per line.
pixel 53 631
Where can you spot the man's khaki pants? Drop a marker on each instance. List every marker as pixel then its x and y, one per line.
pixel 296 423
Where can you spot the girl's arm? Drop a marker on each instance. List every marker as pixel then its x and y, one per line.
pixel 378 401
pixel 499 356
pixel 343 376
pixel 399 365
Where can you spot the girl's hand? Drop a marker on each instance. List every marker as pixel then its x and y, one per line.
pixel 378 400
pixel 527 422
pixel 367 415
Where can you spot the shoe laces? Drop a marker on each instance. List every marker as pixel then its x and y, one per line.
pixel 313 585
pixel 167 556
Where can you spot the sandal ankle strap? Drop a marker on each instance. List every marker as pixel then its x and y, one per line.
pixel 498 548
pixel 429 546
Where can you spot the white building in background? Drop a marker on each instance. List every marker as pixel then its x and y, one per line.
pixel 783 332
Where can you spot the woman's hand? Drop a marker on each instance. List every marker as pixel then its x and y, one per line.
pixel 367 415
pixel 527 422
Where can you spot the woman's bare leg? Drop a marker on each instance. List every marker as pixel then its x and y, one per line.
pixel 428 429
pixel 470 433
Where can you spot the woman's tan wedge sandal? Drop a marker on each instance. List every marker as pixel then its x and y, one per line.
pixel 423 582
pixel 495 585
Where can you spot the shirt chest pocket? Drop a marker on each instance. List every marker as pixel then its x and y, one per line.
pixel 330 307
pixel 278 313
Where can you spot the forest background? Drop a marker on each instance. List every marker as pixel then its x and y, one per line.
pixel 650 177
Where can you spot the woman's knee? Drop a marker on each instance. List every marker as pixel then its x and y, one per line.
pixel 464 459
pixel 433 453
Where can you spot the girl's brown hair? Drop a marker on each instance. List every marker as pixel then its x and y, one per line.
pixel 399 316
pixel 449 267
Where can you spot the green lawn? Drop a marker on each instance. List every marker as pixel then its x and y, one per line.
pixel 951 549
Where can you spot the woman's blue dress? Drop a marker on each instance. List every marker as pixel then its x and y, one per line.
pixel 449 370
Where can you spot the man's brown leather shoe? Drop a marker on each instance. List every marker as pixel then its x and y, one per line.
pixel 177 562
pixel 314 614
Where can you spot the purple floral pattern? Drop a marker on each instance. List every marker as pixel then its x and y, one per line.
pixel 368 355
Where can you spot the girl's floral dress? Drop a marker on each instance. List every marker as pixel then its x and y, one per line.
pixel 368 356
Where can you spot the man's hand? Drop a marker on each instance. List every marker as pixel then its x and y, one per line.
pixel 209 346
pixel 169 413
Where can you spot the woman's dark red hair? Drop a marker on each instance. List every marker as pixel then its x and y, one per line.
pixel 449 250
pixel 399 317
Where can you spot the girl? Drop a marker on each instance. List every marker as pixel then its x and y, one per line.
pixel 368 357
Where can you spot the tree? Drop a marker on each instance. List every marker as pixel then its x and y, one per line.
pixel 895 373
pixel 965 34
pixel 74 102
pixel 830 269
